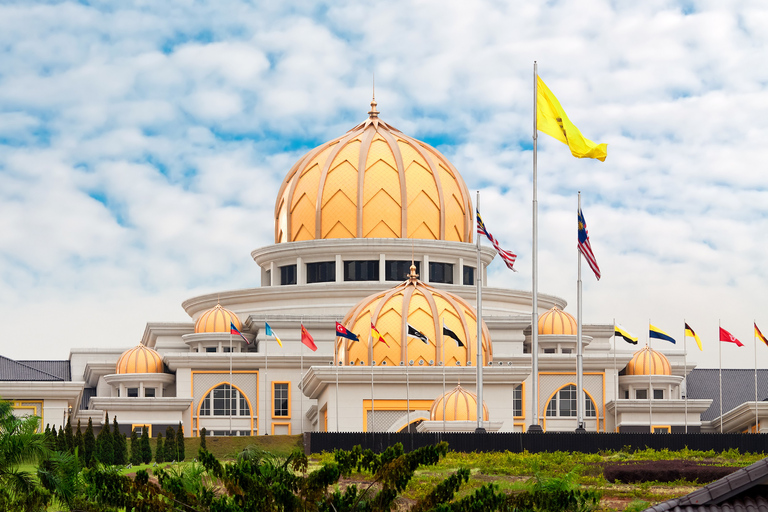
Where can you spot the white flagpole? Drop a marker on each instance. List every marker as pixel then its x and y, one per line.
pixel 373 409
pixel 266 384
pixel 685 373
pixel 720 344
pixel 337 395
pixel 754 341
pixel 579 356
pixel 535 427
pixel 479 355
pixel 407 388
pixel 301 349
pixel 231 390
pixel 650 383
pixel 616 383
pixel 442 338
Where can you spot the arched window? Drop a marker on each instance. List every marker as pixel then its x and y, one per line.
pixel 224 400
pixel 563 404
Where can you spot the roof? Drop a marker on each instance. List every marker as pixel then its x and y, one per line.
pixel 11 370
pixel 738 387
pixel 741 491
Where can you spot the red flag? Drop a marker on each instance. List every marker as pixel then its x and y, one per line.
pixel 376 335
pixel 730 338
pixel 306 339
pixel 760 335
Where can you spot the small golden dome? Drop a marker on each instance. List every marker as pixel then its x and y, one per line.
pixel 217 319
pixel 426 309
pixel 140 359
pixel 648 361
pixel 557 321
pixel 460 405
pixel 373 182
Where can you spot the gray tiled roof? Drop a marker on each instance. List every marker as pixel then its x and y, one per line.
pixel 738 387
pixel 741 491
pixel 11 370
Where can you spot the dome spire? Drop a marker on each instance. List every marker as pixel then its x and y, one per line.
pixel 373 112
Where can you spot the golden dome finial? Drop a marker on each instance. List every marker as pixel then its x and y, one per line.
pixel 373 112
pixel 413 276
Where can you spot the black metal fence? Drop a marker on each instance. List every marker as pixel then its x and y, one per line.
pixel 317 442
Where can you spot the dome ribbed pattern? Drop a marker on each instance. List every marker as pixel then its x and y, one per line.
pixel 140 359
pixel 217 319
pixel 460 405
pixel 373 182
pixel 557 321
pixel 647 361
pixel 423 307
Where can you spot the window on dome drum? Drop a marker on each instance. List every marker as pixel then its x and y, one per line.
pixel 288 274
pixel 364 270
pixel 132 392
pixel 563 404
pixel 641 394
pixel 398 270
pixel 658 394
pixel 517 400
pixel 567 351
pixel 440 273
pixel 321 272
pixel 469 275
pixel 210 349
pixel 224 400
pixel 149 392
pixel 549 351
pixel 226 349
pixel 281 397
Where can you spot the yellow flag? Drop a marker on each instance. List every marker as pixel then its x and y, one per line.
pixel 552 120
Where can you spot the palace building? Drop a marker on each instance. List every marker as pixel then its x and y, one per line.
pixel 371 228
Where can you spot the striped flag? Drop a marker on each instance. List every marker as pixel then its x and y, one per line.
pixel 585 247
pixel 508 257
pixel 233 330
pixel 760 335
pixel 690 334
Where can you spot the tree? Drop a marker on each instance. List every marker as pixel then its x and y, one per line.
pixel 105 452
pixel 203 433
pixel 135 449
pixel 61 441
pixel 170 445
pixel 20 444
pixel 79 442
pixel 89 444
pixel 68 437
pixel 180 443
pixel 120 447
pixel 146 449
pixel 159 449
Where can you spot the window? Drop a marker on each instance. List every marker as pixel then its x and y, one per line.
pixel 440 273
pixel 563 404
pixel 226 349
pixel 658 394
pixel 469 275
pixel 367 270
pixel 224 400
pixel 281 397
pixel 321 272
pixel 228 433
pixel 149 392
pixel 567 351
pixel 132 392
pixel 517 400
pixel 210 349
pixel 549 351
pixel 626 394
pixel 139 429
pixel 398 270
pixel 661 429
pixel 641 394
pixel 288 274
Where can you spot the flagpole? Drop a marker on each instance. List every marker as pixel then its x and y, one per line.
pixel 685 374
pixel 754 341
pixel 373 409
pixel 407 389
pixel 301 351
pixel 442 337
pixel 720 344
pixel 616 383
pixel 579 355
pixel 337 395
pixel 650 384
pixel 266 384
pixel 230 383
pixel 479 356
pixel 535 427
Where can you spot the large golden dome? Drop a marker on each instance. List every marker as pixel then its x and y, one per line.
pixel 648 361
pixel 557 321
pixel 423 307
pixel 217 319
pixel 140 359
pixel 373 182
pixel 460 405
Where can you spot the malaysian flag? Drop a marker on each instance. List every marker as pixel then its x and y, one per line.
pixel 584 246
pixel 508 257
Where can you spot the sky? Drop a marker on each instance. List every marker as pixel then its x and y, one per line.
pixel 142 145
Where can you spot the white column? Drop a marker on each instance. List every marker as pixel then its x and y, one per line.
pixel 301 277
pixel 339 269
pixel 382 268
pixel 425 269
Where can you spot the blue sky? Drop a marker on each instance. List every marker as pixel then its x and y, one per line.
pixel 142 146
